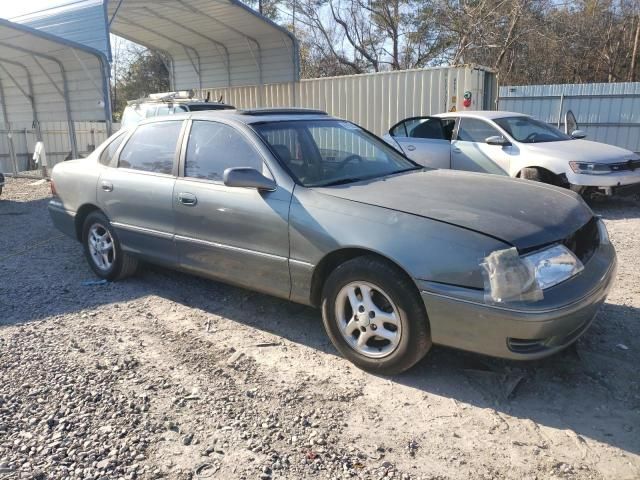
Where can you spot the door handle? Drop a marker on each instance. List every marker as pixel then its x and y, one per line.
pixel 411 148
pixel 107 186
pixel 188 199
pixel 456 150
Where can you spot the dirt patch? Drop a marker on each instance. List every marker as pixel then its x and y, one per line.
pixel 170 376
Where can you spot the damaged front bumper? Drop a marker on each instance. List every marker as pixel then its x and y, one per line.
pixel 460 318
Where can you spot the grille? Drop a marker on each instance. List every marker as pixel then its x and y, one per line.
pixel 584 241
pixel 628 165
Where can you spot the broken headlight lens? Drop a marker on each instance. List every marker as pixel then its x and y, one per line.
pixel 510 277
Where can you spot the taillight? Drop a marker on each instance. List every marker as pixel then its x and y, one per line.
pixel 53 189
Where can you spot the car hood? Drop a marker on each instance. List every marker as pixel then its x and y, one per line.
pixel 580 151
pixel 522 213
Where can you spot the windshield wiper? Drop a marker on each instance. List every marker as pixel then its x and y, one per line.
pixel 341 181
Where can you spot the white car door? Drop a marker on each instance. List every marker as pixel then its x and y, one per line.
pixel 470 150
pixel 424 140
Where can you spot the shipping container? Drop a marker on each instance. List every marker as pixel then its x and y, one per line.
pixel 375 100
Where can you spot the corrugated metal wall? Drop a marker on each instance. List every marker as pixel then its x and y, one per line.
pixel 608 112
pixel 56 139
pixel 81 22
pixel 377 100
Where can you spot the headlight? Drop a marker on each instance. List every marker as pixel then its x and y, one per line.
pixel 510 277
pixel 589 168
pixel 553 265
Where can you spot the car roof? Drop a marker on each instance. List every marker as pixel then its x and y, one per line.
pixel 486 114
pixel 249 116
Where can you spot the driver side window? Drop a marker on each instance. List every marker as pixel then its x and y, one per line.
pixel 475 130
pixel 213 147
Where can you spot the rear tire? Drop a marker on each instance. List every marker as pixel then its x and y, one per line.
pixel 387 332
pixel 103 251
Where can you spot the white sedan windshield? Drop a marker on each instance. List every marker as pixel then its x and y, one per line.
pixel 528 130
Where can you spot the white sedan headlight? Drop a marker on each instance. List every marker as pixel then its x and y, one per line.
pixel 510 277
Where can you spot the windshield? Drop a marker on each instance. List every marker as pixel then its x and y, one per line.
pixel 528 130
pixel 331 152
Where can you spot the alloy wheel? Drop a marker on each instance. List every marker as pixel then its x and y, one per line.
pixel 101 247
pixel 368 319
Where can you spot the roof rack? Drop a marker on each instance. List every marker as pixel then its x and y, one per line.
pixel 167 97
pixel 281 111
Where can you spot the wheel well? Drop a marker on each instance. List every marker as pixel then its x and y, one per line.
pixel 553 177
pixel 332 261
pixel 81 215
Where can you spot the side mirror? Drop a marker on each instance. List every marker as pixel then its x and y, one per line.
pixel 498 140
pixel 578 134
pixel 248 178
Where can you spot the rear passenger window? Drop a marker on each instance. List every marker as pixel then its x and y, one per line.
pixel 419 127
pixel 107 154
pixel 152 147
pixel 213 147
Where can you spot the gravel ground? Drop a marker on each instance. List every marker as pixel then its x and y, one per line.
pixel 166 375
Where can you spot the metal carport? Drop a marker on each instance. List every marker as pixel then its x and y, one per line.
pixel 46 78
pixel 209 43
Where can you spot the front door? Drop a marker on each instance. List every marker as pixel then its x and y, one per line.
pixel 136 191
pixel 471 152
pixel 424 140
pixel 238 235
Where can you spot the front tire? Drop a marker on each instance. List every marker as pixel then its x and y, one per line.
pixel 374 316
pixel 538 175
pixel 103 251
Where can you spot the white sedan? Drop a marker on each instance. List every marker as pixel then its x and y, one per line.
pixel 514 144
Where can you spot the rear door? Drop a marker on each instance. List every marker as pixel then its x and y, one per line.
pixel 471 152
pixel 136 190
pixel 239 235
pixel 424 140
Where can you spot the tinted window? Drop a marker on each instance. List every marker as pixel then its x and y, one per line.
pixel 152 147
pixel 107 154
pixel 214 147
pixel 474 130
pixel 419 128
pixel 331 152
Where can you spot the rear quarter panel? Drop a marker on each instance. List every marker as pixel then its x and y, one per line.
pixel 75 182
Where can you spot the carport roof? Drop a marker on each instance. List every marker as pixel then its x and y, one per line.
pixel 210 43
pixel 57 78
